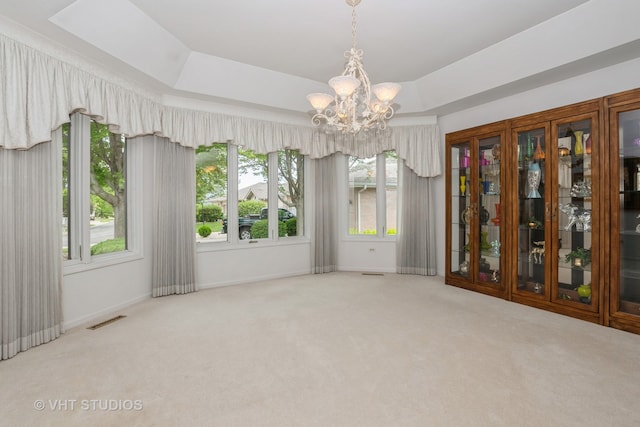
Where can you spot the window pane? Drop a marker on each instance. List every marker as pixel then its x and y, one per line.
pixel 108 195
pixel 66 205
pixel 291 192
pixel 362 195
pixel 252 195
pixel 391 187
pixel 211 192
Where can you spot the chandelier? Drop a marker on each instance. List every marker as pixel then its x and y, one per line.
pixel 351 109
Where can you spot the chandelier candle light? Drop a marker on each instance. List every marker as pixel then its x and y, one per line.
pixel 351 109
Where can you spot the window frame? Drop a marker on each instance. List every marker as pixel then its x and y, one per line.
pixel 272 200
pixel 79 201
pixel 381 201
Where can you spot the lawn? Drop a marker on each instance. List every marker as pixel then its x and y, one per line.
pixel 215 226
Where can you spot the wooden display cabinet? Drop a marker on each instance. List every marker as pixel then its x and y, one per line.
pixel 563 186
pixel 556 213
pixel 624 220
pixel 475 242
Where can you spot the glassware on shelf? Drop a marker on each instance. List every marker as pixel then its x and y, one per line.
pixel 464 268
pixel 466 161
pixel 533 178
pixel 538 154
pixel 495 152
pixel 465 216
pixel 484 215
pixel 496 220
pixel 584 293
pixel 578 148
pixel 581 189
pixel 495 246
pixel 529 153
pixel 576 215
pixel 463 185
pixel 520 154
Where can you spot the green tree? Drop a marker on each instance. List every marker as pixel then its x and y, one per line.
pixel 250 207
pixel 65 170
pixel 211 171
pixel 208 213
pixel 101 208
pixel 108 173
pixel 290 171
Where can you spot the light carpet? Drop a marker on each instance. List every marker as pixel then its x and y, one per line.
pixel 338 349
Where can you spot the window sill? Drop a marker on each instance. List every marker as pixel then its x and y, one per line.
pixel 390 238
pixel 101 261
pixel 202 247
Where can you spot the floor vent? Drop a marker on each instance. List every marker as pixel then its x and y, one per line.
pixel 373 274
pixel 106 322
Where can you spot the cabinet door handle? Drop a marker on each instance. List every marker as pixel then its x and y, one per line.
pixel 547 211
pixel 554 215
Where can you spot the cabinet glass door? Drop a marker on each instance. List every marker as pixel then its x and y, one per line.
pixel 461 209
pixel 488 215
pixel 573 211
pixel 628 292
pixel 533 211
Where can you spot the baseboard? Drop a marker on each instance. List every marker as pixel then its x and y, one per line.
pixel 366 270
pixel 252 279
pixel 70 324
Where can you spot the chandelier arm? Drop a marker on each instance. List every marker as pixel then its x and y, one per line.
pixel 353 110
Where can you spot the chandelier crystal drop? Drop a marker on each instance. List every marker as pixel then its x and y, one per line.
pixel 351 109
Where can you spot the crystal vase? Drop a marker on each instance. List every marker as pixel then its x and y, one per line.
pixel 496 220
pixel 533 178
pixel 578 149
pixel 538 154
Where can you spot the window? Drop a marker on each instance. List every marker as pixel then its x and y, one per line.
pixel 228 175
pixel 253 195
pixel 211 192
pixel 372 212
pixel 291 192
pixel 95 196
pixel 66 188
pixel 108 191
pixel 391 191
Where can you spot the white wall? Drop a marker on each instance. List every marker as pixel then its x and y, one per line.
pixel 249 262
pixel 101 291
pixel 370 255
pixel 596 84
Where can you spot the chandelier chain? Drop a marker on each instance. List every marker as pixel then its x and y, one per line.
pixel 353 27
pixel 352 108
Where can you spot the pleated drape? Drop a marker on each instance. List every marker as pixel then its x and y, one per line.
pixel 43 91
pixel 30 242
pixel 325 238
pixel 415 251
pixel 174 246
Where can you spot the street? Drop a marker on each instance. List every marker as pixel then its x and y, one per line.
pixel 99 232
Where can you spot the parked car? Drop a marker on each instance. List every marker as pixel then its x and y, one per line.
pixel 245 222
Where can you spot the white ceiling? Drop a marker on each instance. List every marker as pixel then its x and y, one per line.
pixel 256 51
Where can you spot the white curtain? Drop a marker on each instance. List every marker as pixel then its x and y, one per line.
pixel 174 248
pixel 38 92
pixel 30 245
pixel 325 234
pixel 42 91
pixel 415 251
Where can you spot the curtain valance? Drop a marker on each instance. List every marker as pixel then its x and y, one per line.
pixel 39 92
